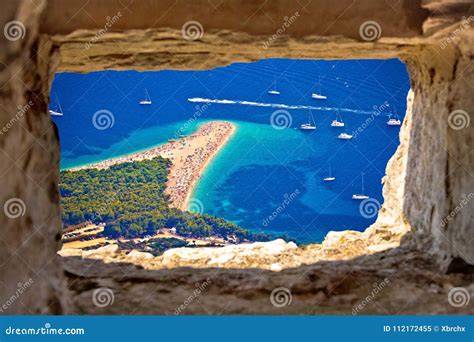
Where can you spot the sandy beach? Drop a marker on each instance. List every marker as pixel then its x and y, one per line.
pixel 189 157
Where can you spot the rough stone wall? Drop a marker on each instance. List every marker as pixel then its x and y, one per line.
pixel 439 195
pixel 431 170
pixel 400 18
pixel 30 227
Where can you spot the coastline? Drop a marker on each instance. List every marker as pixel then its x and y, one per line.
pixel 189 157
pixel 196 153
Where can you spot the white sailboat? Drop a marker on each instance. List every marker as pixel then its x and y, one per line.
pixel 362 195
pixel 319 96
pixel 274 90
pixel 147 99
pixel 336 122
pixel 394 121
pixel 58 111
pixel 310 125
pixel 330 178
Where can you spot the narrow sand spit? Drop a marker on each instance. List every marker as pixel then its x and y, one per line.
pixel 189 157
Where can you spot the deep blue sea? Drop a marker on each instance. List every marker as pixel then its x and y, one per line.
pixel 266 178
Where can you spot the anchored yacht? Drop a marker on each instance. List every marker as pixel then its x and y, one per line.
pixel 147 99
pixel 362 195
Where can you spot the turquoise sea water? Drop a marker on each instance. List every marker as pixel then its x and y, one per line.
pixel 264 178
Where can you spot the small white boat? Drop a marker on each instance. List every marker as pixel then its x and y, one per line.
pixel 362 195
pixel 55 113
pixel 274 90
pixel 310 125
pixel 307 127
pixel 58 111
pixel 395 121
pixel 147 99
pixel 318 95
pixel 330 178
pixel 344 136
pixel 336 122
pixel 359 197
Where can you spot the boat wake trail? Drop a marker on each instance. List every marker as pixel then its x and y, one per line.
pixel 277 105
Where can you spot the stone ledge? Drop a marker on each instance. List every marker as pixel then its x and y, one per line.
pixel 408 283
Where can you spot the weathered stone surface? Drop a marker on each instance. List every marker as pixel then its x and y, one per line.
pixel 439 174
pixel 322 17
pixel 398 282
pixel 30 226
